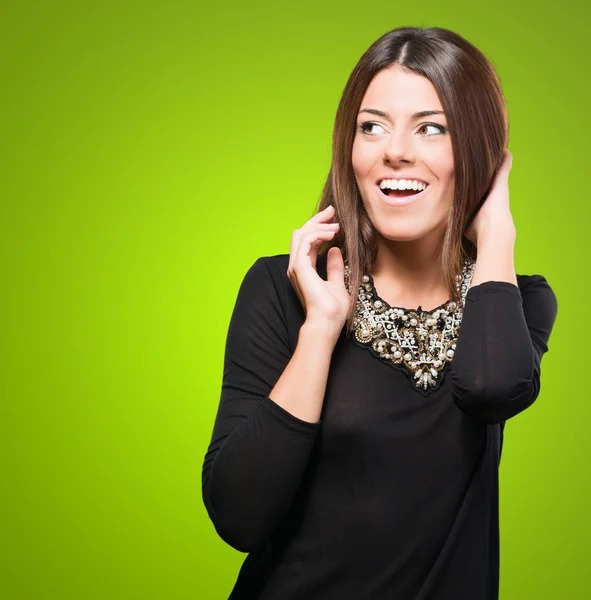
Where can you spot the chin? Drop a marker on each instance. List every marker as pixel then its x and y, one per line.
pixel 409 231
pixel 407 235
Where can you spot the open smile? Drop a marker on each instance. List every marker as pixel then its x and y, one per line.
pixel 400 197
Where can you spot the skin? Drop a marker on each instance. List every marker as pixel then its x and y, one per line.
pixel 493 231
pixel 407 271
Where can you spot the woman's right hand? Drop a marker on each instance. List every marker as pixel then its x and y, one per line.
pixel 325 303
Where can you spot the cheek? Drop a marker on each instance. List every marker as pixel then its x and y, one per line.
pixel 439 159
pixel 362 159
pixel 447 183
pixel 446 168
pixel 357 159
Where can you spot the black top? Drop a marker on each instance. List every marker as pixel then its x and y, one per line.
pixel 393 493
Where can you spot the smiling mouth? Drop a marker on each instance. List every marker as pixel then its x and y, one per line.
pixel 400 193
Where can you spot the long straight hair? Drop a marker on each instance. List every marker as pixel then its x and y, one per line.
pixel 470 93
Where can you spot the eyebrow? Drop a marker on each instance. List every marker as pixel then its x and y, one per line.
pixel 417 115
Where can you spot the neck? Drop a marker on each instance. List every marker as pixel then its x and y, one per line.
pixel 411 270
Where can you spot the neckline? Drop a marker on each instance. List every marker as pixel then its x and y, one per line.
pixel 467 273
pixel 420 309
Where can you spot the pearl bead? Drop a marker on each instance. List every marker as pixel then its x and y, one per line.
pixel 407 329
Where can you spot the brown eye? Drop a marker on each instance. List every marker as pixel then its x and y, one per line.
pixel 439 127
pixel 363 128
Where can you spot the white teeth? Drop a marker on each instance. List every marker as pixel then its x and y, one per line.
pixel 402 184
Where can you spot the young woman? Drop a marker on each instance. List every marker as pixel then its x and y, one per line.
pixel 368 374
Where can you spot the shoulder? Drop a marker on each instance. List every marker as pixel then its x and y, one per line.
pixel 277 265
pixel 269 271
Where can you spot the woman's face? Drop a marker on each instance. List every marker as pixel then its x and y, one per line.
pixel 397 145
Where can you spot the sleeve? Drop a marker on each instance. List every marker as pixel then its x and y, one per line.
pixel 258 451
pixel 503 335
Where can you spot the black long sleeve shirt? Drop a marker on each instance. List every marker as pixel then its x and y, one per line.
pixel 392 494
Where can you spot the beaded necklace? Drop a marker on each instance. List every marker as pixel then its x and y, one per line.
pixel 419 342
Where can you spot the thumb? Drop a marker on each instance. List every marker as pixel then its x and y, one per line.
pixel 335 266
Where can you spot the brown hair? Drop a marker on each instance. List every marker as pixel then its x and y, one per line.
pixel 470 93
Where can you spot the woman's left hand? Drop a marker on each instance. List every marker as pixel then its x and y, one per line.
pixel 495 212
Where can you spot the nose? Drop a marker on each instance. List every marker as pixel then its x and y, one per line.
pixel 398 148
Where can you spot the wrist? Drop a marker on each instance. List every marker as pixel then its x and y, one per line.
pixel 320 329
pixel 496 231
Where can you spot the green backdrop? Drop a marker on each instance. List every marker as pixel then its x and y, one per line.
pixel 151 152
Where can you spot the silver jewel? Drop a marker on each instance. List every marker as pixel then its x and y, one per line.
pixel 421 342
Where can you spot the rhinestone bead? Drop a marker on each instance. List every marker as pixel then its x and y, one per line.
pixel 425 353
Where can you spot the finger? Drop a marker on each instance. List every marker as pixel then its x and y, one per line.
pixel 299 233
pixel 323 216
pixel 318 227
pixel 307 226
pixel 335 266
pixel 327 226
pixel 299 294
pixel 308 248
pixel 304 261
pixel 310 241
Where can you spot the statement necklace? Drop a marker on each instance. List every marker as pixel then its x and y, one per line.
pixel 419 342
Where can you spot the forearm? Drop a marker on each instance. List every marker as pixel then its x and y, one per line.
pixel 259 467
pixel 300 389
pixel 495 259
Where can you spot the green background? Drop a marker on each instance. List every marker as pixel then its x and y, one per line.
pixel 151 152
